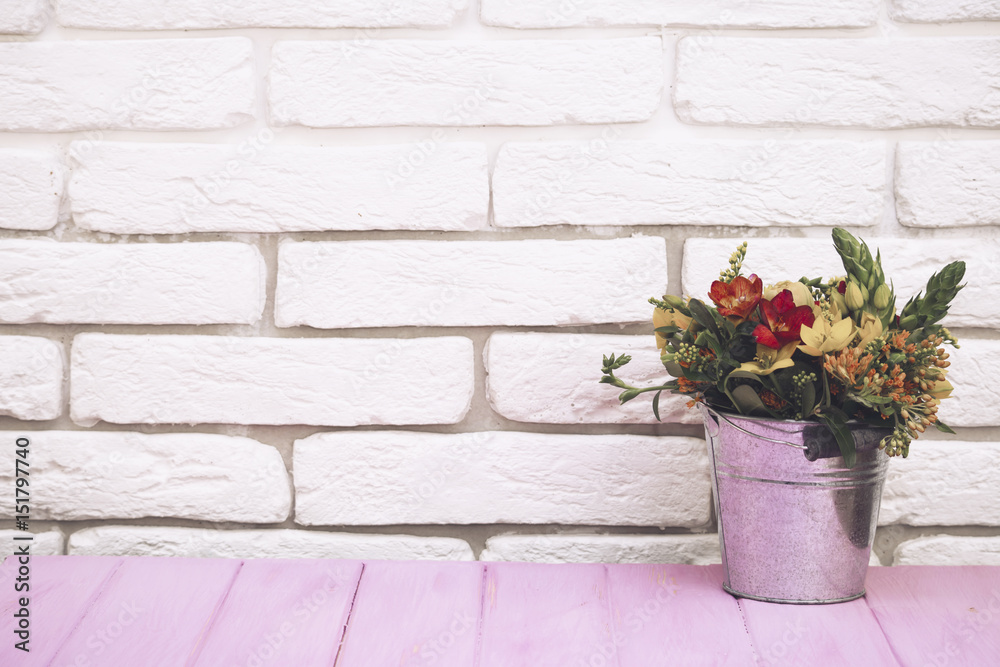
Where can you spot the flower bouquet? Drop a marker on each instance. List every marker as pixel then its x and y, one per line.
pixel 831 351
pixel 803 385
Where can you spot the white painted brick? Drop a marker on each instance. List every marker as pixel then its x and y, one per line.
pixel 42 280
pixel 211 543
pixel 871 83
pixel 49 543
pixel 187 14
pixel 441 83
pixel 31 187
pixel 974 370
pixel 943 483
pixel 552 379
pixel 222 379
pixel 152 84
pixel 255 187
pixel 395 477
pixel 948 183
pixel 710 13
pixel 467 283
pixel 23 17
pixel 31 377
pixel 907 262
pixel 944 11
pixel 948 550
pixel 683 549
pixel 79 475
pixel 753 184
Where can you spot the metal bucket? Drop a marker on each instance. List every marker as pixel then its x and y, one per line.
pixel 795 524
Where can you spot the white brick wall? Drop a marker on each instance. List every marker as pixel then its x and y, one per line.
pixel 147 283
pixel 941 483
pixel 210 543
pixel 974 367
pixel 222 379
pixel 410 82
pixel 246 224
pixel 948 550
pixel 839 82
pixel 753 184
pixel 259 187
pixel 49 543
pixel 948 184
pixel 549 378
pixel 708 13
pixel 501 477
pixel 684 549
pixel 940 11
pixel 31 187
pixel 470 283
pixel 23 17
pixel 183 14
pixel 31 377
pixel 120 475
pixel 155 84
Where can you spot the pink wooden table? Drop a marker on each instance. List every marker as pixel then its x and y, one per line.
pixel 126 612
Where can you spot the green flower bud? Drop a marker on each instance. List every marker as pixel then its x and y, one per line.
pixel 674 302
pixel 864 293
pixel 854 297
pixel 882 296
pixel 841 302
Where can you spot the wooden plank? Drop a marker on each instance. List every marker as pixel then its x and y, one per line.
pixel 283 612
pixel 845 633
pixel 153 612
pixel 673 615
pixel 61 590
pixel 938 615
pixel 414 613
pixel 544 615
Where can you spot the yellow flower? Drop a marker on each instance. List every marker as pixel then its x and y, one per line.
pixel 668 318
pixel 768 360
pixel 942 390
pixel 869 329
pixel 800 293
pixel 823 337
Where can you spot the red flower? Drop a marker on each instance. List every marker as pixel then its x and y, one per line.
pixel 781 320
pixel 738 298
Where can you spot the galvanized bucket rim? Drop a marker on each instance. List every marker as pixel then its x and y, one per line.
pixel 772 420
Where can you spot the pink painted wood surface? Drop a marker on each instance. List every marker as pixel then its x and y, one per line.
pixel 409 614
pixel 836 634
pixel 938 615
pixel 91 611
pixel 61 591
pixel 153 612
pixel 545 615
pixel 677 613
pixel 283 612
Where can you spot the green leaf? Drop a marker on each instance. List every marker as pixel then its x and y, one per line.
pixel 628 395
pixel 837 423
pixel 667 330
pixel 703 316
pixel 707 339
pixel 656 405
pixel 674 369
pixel 747 401
pixel 944 428
pixel 808 403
